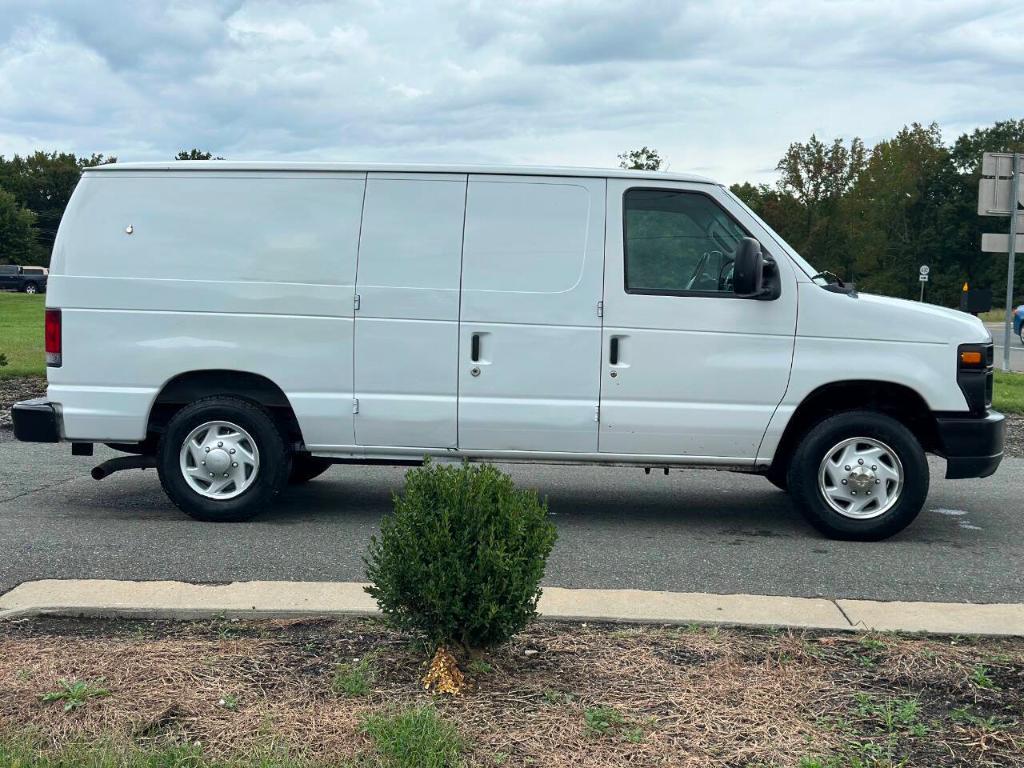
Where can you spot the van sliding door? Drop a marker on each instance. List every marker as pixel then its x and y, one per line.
pixel 407 316
pixel 530 330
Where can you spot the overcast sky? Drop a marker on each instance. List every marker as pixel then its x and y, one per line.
pixel 720 88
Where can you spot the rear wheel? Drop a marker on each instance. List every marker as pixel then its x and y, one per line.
pixel 222 459
pixel 859 475
pixel 31 288
pixel 306 468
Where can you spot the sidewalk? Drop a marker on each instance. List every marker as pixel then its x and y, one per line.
pixel 263 599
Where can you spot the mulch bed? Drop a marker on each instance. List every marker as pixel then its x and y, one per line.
pixel 688 696
pixel 18 388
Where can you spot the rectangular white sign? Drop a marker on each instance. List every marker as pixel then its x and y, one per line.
pixel 998 164
pixel 992 243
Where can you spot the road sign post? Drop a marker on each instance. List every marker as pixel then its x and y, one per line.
pixel 923 278
pixel 1012 253
pixel 1000 195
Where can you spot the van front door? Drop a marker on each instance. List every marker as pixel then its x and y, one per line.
pixel 407 316
pixel 688 368
pixel 530 334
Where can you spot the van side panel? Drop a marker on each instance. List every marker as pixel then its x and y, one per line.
pixel 407 325
pixel 531 282
pixel 252 272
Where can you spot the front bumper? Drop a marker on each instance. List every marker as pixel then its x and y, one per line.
pixel 36 421
pixel 972 445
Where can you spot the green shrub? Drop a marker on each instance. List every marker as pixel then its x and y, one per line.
pixel 461 558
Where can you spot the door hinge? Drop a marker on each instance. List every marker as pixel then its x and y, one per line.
pixel 355 405
pixel 355 301
pixel 597 413
pixel 600 309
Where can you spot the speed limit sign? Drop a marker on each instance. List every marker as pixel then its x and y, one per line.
pixel 925 269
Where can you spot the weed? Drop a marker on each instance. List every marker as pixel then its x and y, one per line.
pixel 75 694
pixel 556 698
pixel 229 702
pixel 479 667
pixel 980 677
pixel 601 720
pixel 355 679
pixel 415 738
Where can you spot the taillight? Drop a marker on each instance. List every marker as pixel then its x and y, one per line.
pixel 53 338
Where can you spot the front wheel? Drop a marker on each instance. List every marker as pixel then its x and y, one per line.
pixel 222 459
pixel 859 476
pixel 31 288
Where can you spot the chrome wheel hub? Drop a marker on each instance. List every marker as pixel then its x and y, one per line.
pixel 219 460
pixel 861 478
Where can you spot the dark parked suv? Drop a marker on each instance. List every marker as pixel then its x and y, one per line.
pixel 24 279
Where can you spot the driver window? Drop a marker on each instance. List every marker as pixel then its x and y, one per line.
pixel 678 243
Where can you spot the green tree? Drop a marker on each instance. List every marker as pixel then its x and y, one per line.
pixel 905 210
pixel 17 232
pixel 643 159
pixel 43 183
pixel 818 176
pixel 195 154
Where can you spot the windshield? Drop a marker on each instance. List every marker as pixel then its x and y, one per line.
pixel 799 260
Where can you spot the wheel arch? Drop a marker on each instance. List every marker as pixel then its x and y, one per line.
pixel 189 386
pixel 898 401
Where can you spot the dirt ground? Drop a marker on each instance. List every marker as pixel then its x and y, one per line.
pixel 690 696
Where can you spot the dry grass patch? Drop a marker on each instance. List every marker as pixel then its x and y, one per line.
pixel 558 695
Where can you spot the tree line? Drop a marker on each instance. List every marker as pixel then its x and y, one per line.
pixel 875 215
pixel 871 215
pixel 34 191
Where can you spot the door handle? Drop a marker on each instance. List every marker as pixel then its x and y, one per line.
pixel 613 351
pixel 474 348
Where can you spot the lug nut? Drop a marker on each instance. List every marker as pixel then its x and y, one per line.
pixel 848 467
pixel 221 445
pixel 860 461
pixel 874 467
pixel 225 474
pixel 204 463
pixel 234 463
pixel 207 449
pixel 878 482
pixel 232 450
pixel 845 482
pixel 211 474
pixel 854 493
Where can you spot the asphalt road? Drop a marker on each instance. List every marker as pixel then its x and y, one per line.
pixel 689 531
pixel 1016 348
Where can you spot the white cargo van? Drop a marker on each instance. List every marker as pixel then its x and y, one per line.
pixel 240 325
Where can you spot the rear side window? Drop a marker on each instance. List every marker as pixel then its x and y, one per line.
pixel 678 243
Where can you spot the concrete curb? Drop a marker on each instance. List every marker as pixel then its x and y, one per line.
pixel 283 599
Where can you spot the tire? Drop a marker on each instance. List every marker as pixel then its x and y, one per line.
pixel 306 468
pixel 249 435
pixel 895 468
pixel 31 288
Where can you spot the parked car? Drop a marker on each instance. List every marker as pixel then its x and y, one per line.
pixel 238 325
pixel 24 279
pixel 1018 323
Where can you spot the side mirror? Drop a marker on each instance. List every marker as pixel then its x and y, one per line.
pixel 748 269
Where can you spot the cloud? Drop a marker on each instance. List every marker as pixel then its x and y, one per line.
pixel 718 88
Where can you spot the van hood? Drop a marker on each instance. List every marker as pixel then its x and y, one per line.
pixel 868 316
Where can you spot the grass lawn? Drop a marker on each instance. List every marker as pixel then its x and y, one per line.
pixel 21 334
pixel 21 339
pixel 81 693
pixel 1008 396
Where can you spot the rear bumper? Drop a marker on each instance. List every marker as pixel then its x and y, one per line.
pixel 36 421
pixel 972 445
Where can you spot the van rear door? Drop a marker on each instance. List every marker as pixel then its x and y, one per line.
pixel 530 334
